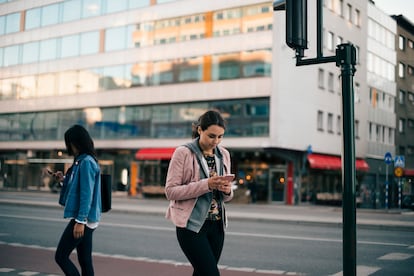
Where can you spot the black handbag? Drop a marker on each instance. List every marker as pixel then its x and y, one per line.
pixel 106 192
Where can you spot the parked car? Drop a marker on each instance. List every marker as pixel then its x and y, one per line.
pixel 408 202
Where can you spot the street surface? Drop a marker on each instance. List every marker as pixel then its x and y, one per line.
pixel 144 243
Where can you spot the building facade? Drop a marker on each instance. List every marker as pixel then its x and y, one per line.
pixel 404 105
pixel 137 73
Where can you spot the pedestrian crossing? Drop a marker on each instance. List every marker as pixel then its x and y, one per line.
pixel 16 272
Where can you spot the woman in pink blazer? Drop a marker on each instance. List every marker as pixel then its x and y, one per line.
pixel 198 184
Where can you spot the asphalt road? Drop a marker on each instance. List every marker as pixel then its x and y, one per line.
pixel 143 243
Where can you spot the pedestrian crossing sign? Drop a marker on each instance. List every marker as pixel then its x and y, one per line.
pixel 399 161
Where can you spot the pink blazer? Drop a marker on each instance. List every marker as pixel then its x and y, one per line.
pixel 183 184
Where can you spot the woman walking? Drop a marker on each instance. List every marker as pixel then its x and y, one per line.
pixel 198 183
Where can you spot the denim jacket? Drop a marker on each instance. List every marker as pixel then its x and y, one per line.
pixel 83 195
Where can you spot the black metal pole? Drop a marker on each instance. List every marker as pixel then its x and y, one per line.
pixel 346 59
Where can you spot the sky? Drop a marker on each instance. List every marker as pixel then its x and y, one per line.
pixel 391 7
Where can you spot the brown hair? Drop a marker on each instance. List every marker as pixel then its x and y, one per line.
pixel 209 118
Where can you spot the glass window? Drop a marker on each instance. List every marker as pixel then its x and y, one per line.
pixel 9 88
pixel 330 123
pixel 28 87
pixel 330 41
pixel 91 8
pixel 401 70
pixel 331 81
pixel 89 80
pixel 11 55
pixel 68 83
pixel 114 77
pixel 133 4
pixel 48 49
pixel 401 43
pixel 321 78
pixel 115 39
pixel 139 74
pixel 357 18
pixel 320 120
pixel 46 85
pixel 70 46
pixel 116 6
pixel 162 72
pixel 50 15
pixel 30 52
pixel 190 70
pixel 2 25
pixel 89 43
pixel 12 23
pixel 32 19
pixel 1 57
pixel 401 125
pixel 71 10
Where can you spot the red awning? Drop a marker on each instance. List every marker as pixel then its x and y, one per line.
pixel 409 172
pixel 329 162
pixel 154 154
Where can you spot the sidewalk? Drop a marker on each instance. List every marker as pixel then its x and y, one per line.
pixel 297 214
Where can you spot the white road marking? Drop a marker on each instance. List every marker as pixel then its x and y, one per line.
pixel 362 270
pixel 396 257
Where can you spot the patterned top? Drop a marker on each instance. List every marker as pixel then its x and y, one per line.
pixel 215 209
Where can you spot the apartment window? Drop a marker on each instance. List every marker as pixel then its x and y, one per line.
pixel 401 70
pixel 357 50
pixel 330 41
pixel 320 120
pixel 410 150
pixel 378 133
pixel 341 8
pixel 410 70
pixel 391 136
pixel 410 44
pixel 357 18
pixel 411 97
pixel 338 125
pixel 133 4
pixel 401 97
pixel 348 13
pixel 410 123
pixel 330 123
pixel 331 82
pixel 401 125
pixel 356 129
pixel 71 10
pixel 370 131
pixel 339 40
pixel 401 43
pixel 321 78
pixel 357 93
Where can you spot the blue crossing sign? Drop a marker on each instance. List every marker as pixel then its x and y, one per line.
pixel 399 161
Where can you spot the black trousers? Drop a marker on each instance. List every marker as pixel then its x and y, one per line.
pixel 83 247
pixel 203 249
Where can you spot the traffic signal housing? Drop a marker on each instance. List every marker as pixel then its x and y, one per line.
pixel 296 23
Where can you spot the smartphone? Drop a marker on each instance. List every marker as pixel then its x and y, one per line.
pixel 229 177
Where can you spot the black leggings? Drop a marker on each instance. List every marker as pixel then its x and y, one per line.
pixel 203 249
pixel 83 247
